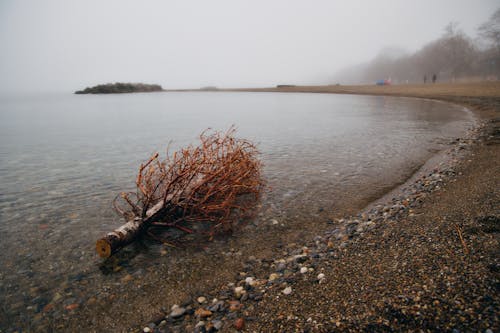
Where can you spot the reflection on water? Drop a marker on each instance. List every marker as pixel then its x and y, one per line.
pixel 64 157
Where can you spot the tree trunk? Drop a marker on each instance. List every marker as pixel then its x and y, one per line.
pixel 127 233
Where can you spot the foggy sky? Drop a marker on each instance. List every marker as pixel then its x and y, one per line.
pixel 70 44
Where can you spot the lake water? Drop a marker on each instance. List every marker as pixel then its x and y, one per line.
pixel 64 157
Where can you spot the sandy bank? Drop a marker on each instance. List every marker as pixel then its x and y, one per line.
pixel 438 90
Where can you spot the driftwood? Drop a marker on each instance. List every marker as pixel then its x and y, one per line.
pixel 206 189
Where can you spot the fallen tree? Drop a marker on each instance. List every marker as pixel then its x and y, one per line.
pixel 198 189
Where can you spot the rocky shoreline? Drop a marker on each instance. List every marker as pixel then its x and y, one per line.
pixel 389 268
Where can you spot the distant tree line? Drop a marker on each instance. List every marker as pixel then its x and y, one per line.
pixel 118 88
pixel 452 57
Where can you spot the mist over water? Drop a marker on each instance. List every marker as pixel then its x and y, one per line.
pixel 63 158
pixel 59 45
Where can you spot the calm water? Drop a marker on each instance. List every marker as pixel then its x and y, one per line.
pixel 64 157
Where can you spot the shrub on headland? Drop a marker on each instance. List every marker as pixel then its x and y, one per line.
pixel 118 88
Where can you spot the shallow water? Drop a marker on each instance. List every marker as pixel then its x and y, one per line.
pixel 63 158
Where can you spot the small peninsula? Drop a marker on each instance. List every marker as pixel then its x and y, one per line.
pixel 120 88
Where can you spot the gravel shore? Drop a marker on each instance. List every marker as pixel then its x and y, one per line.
pixel 425 259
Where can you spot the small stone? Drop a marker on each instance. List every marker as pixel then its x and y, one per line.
pixel 238 291
pixel 280 267
pixel 146 330
pixel 57 297
pixel 177 312
pixel 273 277
pixel 217 324
pixel 321 276
pixel 72 306
pixel 274 222
pixel 234 306
pixel 300 258
pixel 202 313
pixel 303 270
pixel 201 299
pixel 250 281
pixel 216 307
pixel 239 324
pixel 287 290
pixel 48 307
pixel 127 278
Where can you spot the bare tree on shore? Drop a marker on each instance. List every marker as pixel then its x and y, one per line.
pixel 453 56
pixel 490 30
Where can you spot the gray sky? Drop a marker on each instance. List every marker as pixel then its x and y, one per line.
pixel 65 45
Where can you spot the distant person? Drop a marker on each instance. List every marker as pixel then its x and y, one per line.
pixel 434 77
pixel 425 79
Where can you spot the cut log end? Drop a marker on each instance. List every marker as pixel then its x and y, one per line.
pixel 124 235
pixel 103 248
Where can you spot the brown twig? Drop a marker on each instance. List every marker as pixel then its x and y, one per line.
pixel 464 245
